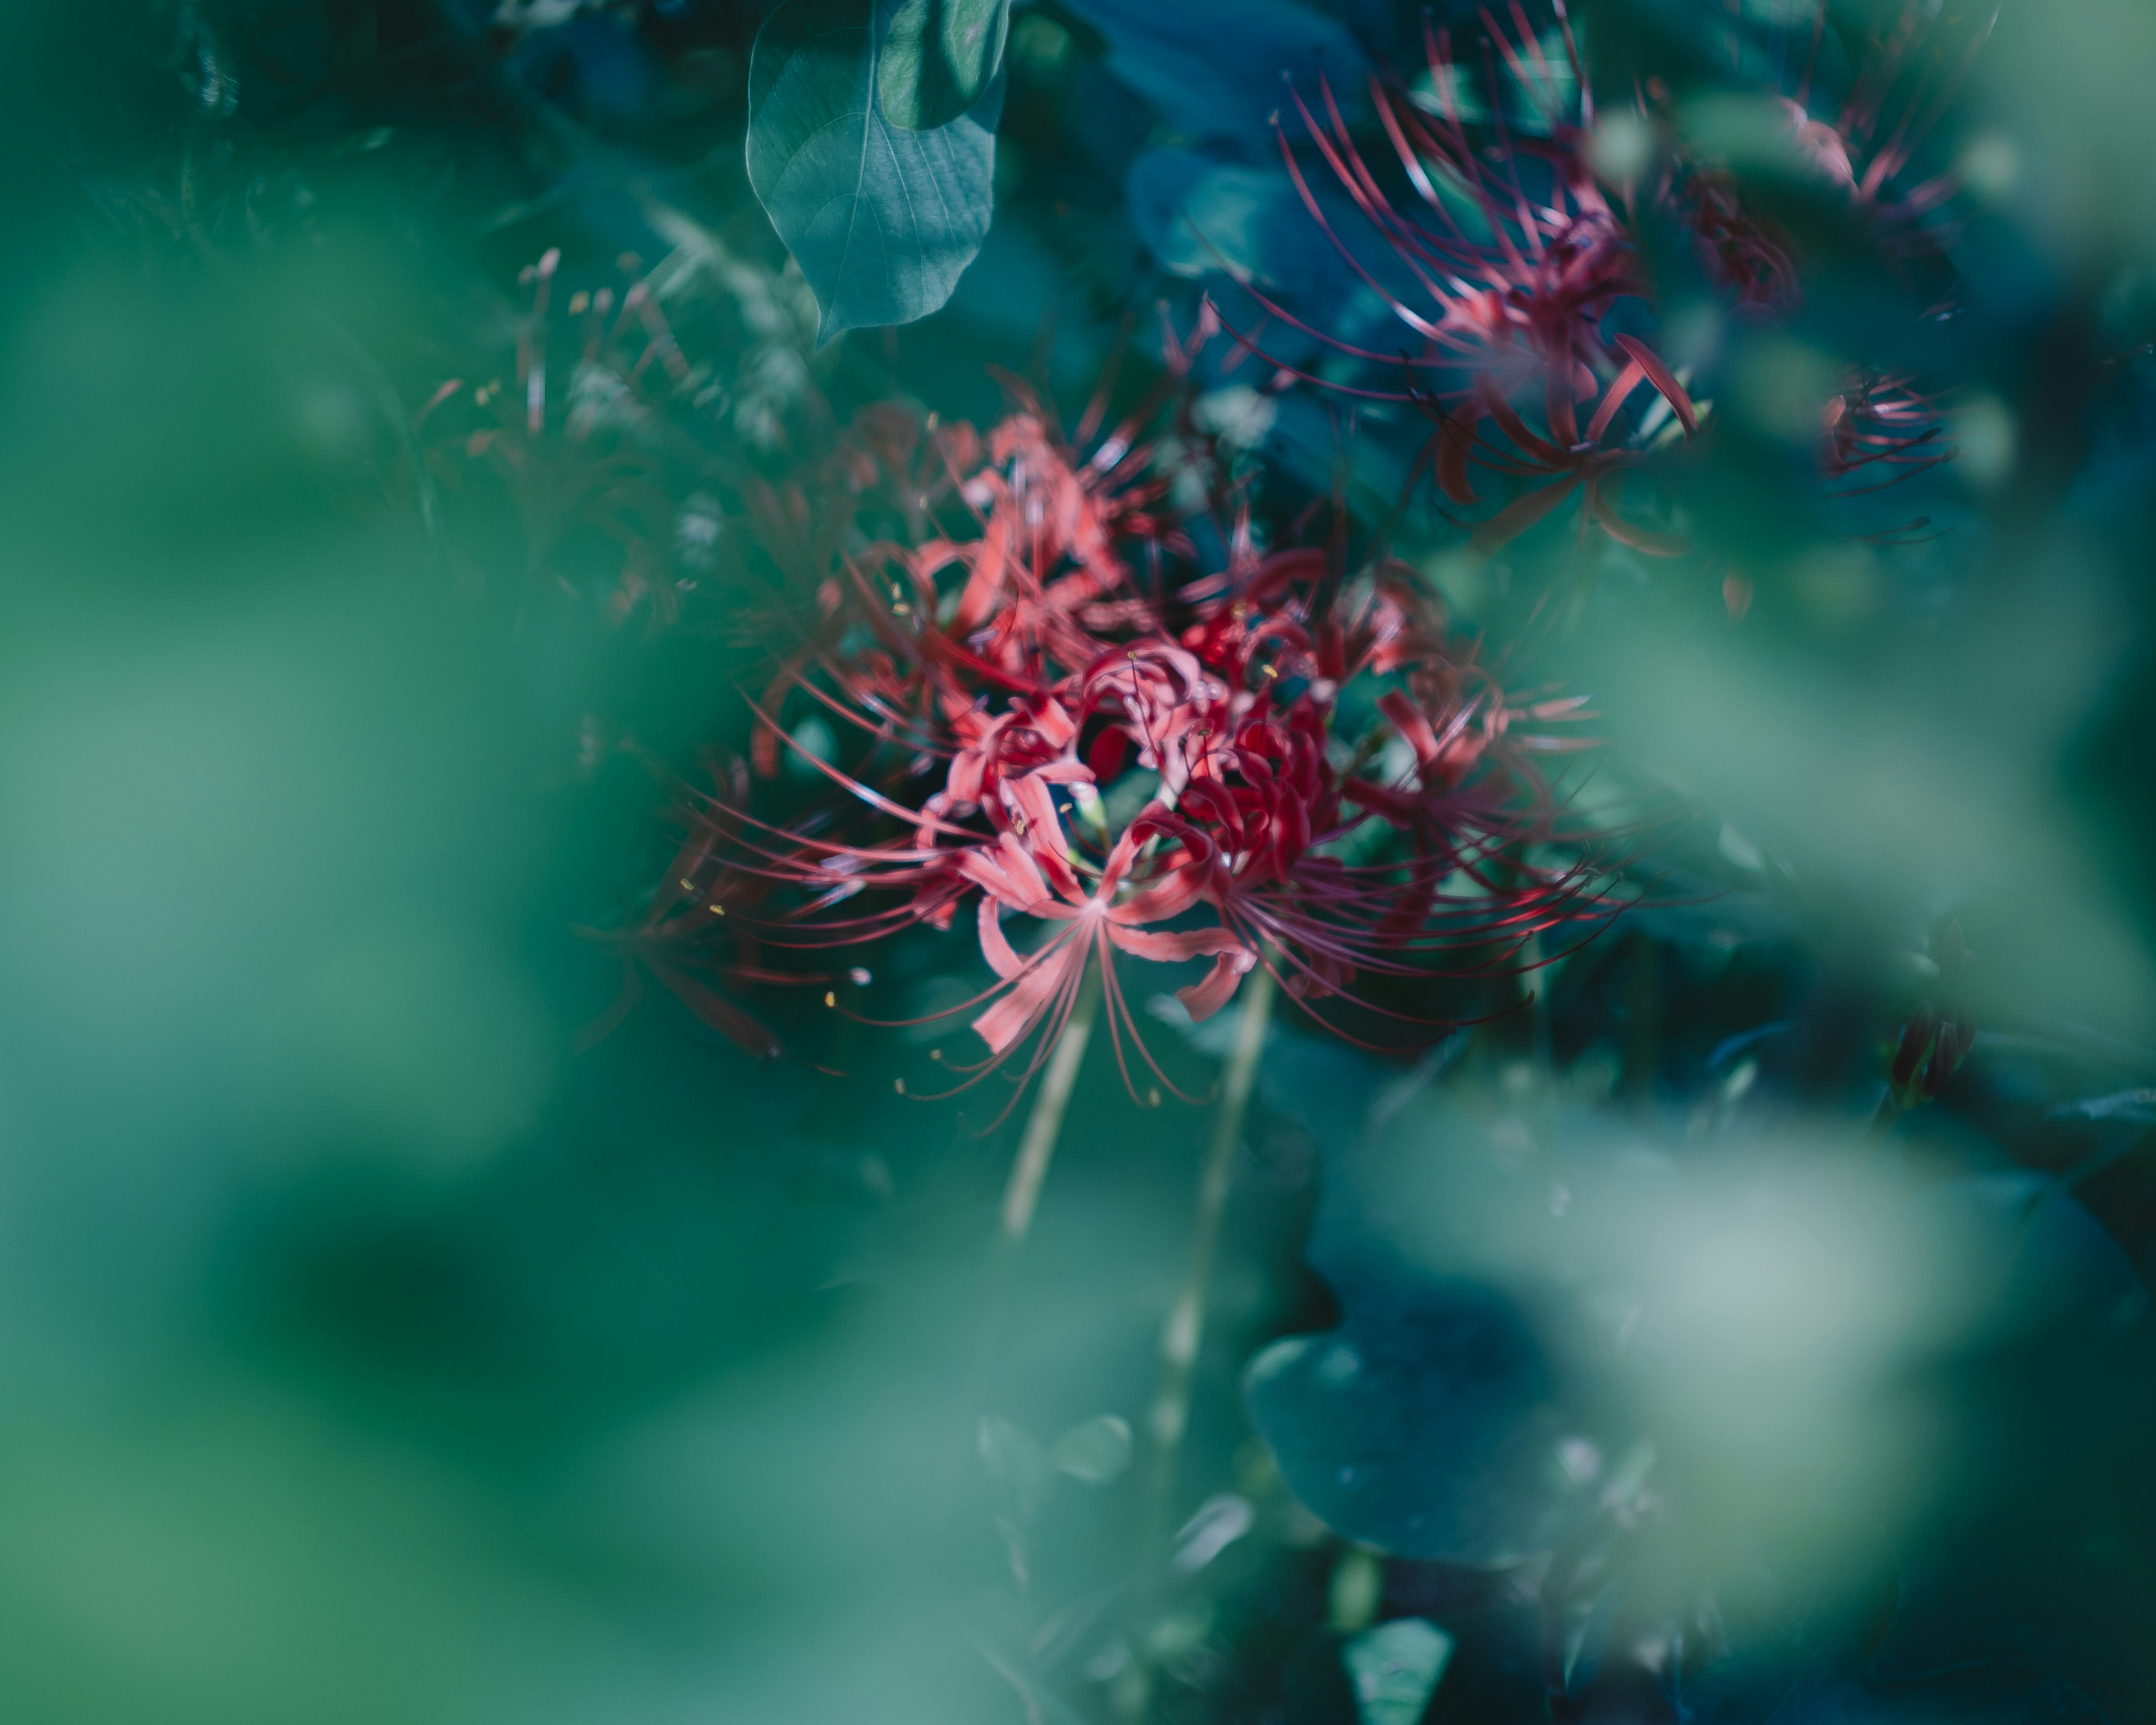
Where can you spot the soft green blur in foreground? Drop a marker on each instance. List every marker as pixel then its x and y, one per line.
pixel 367 1356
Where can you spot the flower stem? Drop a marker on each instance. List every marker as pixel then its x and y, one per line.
pixel 1045 1125
pixel 1036 1149
pixel 1185 1328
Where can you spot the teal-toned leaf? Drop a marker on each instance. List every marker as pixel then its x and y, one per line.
pixel 938 59
pixel 1096 1451
pixel 1447 1418
pixel 1394 1667
pixel 882 222
pixel 1425 1428
pixel 1015 1462
pixel 1213 68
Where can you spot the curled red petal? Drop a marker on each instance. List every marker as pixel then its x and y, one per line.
pixel 1628 380
pixel 1660 376
pixel 1643 540
pixel 1007 1022
pixel 1455 442
pixel 1502 528
pixel 1002 959
pixel 1412 723
pixel 1232 960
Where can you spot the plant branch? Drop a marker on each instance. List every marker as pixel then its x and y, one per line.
pixel 1045 1125
pixel 1185 1328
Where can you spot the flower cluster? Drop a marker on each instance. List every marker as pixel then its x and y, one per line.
pixel 1865 144
pixel 1035 725
pixel 1506 250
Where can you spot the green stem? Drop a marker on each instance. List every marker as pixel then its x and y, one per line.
pixel 1185 1328
pixel 1881 1123
pixel 1036 1149
pixel 1045 1125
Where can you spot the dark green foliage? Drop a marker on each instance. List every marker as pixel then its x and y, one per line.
pixel 881 218
pixel 938 58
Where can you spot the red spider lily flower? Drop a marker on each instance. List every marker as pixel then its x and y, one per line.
pixel 1028 865
pixel 991 689
pixel 1856 148
pixel 1248 832
pixel 1519 258
pixel 885 456
pixel 572 472
pixel 1033 594
pixel 1034 876
pixel 1278 806
pixel 1009 607
pixel 1522 284
pixel 1279 813
pixel 1568 459
pixel 1851 149
pixel 1881 430
pixel 1739 251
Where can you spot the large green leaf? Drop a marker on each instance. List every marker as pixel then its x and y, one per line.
pixel 882 221
pixel 938 59
pixel 1428 1423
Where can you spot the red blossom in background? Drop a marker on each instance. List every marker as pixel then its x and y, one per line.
pixel 1866 145
pixel 1879 431
pixel 1517 256
pixel 1567 460
pixel 1869 142
pixel 567 464
pixel 1739 252
pixel 1504 250
pixel 1513 250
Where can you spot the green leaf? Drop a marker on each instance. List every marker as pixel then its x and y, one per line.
pixel 938 59
pixel 1425 1425
pixel 1394 1667
pixel 1096 1451
pixel 882 222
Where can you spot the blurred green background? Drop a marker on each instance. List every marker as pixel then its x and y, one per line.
pixel 368 1355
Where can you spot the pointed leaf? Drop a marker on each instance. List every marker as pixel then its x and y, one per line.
pixel 1394 1667
pixel 938 59
pixel 882 222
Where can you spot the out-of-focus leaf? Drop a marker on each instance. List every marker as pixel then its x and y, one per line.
pixel 1215 66
pixel 1394 1667
pixel 1199 215
pixel 938 59
pixel 882 221
pixel 2046 1263
pixel 1495 1292
pixel 1428 1424
pixel 1012 1457
pixel 2138 1106
pixel 1219 1523
pixel 1096 1451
